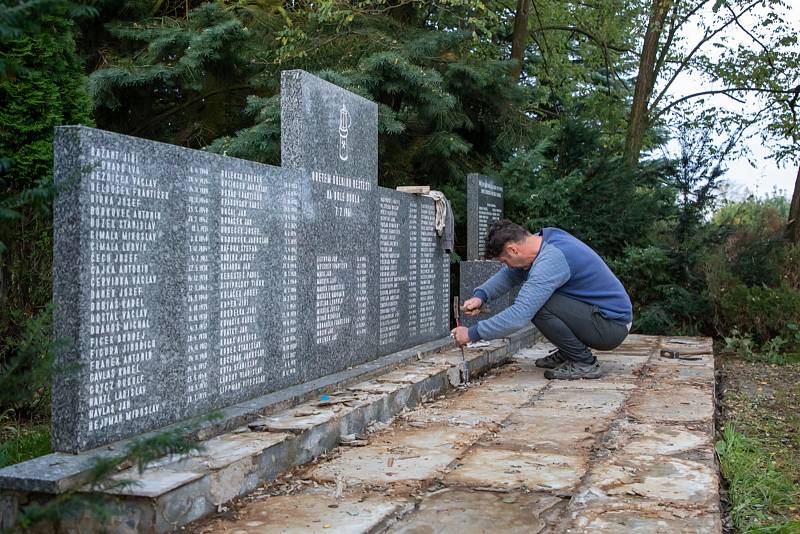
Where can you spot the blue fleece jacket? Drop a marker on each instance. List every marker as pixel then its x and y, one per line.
pixel 564 265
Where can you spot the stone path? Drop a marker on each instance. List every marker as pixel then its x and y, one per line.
pixel 631 452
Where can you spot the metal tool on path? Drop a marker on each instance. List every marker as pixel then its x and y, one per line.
pixel 672 354
pixel 463 371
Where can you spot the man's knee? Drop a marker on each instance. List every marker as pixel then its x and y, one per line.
pixel 610 342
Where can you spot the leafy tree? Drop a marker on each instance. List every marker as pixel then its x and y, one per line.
pixel 764 64
pixel 568 180
pixel 447 103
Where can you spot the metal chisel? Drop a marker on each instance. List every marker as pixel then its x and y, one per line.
pixel 457 314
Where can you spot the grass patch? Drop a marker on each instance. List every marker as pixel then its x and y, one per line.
pixel 23 444
pixel 758 492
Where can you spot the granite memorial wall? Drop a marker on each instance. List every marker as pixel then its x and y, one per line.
pixel 186 281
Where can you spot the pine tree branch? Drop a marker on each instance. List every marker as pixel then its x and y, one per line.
pixel 585 33
pixel 187 104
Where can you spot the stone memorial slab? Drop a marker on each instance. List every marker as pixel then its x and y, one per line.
pixel 165 264
pixel 332 135
pixel 472 275
pixel 414 273
pixel 186 281
pixel 327 129
pixel 484 207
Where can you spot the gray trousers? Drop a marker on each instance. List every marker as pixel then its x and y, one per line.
pixel 574 326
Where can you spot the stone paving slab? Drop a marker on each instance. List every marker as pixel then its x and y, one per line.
pixel 317 511
pixel 501 468
pixel 651 521
pixel 513 452
pixel 411 454
pixel 456 511
pixel 678 404
pixel 552 432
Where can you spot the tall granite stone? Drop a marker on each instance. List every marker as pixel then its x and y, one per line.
pixel 187 281
pixel 484 207
pixel 165 263
pixel 332 135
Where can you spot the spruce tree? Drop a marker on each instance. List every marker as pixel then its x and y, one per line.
pixel 43 86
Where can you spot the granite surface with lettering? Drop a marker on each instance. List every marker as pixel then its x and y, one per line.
pixel 187 281
pixel 328 129
pixel 414 273
pixel 484 207
pixel 165 265
pixel 332 134
pixel 472 275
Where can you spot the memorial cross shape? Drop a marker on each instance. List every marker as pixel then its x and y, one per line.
pixel 186 281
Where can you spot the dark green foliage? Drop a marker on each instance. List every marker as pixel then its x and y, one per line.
pixel 655 280
pixel 21 18
pixel 45 89
pixel 570 180
pixel 27 368
pixel 177 81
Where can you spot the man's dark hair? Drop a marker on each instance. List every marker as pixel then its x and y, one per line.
pixel 500 233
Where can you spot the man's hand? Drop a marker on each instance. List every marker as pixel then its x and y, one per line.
pixel 460 334
pixel 472 307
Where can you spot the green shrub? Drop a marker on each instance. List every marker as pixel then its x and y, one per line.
pixel 664 301
pixel 760 311
pixel 642 270
pixel 754 247
pixel 777 350
pixel 26 370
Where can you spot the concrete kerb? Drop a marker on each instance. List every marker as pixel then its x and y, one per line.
pixel 149 510
pixel 58 472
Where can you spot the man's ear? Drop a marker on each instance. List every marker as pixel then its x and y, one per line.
pixel 512 248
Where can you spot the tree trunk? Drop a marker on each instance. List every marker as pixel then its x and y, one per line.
pixel 519 38
pixel 645 81
pixel 793 226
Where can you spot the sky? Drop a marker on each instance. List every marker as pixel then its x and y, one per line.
pixel 742 177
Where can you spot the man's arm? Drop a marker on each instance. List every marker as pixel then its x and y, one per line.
pixel 549 272
pixel 499 284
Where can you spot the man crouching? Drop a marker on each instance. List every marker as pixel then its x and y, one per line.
pixel 567 290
